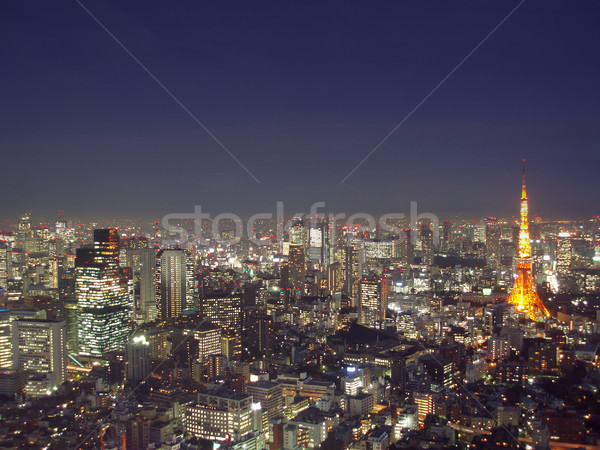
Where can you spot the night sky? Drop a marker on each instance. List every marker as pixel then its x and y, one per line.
pixel 300 92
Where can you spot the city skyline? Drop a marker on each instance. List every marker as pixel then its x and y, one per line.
pixel 287 226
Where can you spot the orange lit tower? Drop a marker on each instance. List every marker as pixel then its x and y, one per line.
pixel 523 294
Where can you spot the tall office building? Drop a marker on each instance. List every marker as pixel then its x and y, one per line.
pixel 563 253
pixel 298 234
pixel 5 340
pixel 447 234
pixel 208 337
pixel 5 263
pixel 102 297
pixel 147 302
pixel 297 269
pixel 217 365
pixel 137 359
pixel 319 245
pixel 260 334
pixel 426 243
pixel 372 300
pixel 171 283
pixel 408 247
pixel 492 243
pixel 40 346
pixel 353 268
pixel 231 345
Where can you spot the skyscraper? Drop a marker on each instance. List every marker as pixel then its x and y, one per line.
pixel 447 234
pixel 260 334
pixel 171 283
pixel 319 246
pixel 372 300
pixel 426 243
pixel 147 304
pixel 102 297
pixel 297 269
pixel 5 340
pixel 353 268
pixel 524 295
pixel 298 233
pixel 492 243
pixel 137 357
pixel 563 253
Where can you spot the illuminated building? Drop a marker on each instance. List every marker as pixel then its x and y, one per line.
pixel 352 382
pixel 298 234
pixel 231 344
pixel 498 348
pixel 492 243
pixel 147 311
pixel 512 372
pixel 361 404
pixel 442 371
pixel 543 356
pixel 424 402
pixel 334 278
pixel 297 269
pixel 171 286
pixel 5 263
pixel 217 365
pixel 353 266
pixel 306 431
pixel 40 346
pixel 375 439
pixel 269 395
pixel 102 297
pixel 137 357
pixel 319 248
pixel 260 334
pixel 563 253
pixel 224 310
pixel 479 233
pixel 407 419
pixel 372 300
pixel 378 249
pixel 220 416
pixel 447 234
pixel 209 341
pixel 426 236
pixel 12 382
pixel 160 344
pixel 5 340
pixel 524 295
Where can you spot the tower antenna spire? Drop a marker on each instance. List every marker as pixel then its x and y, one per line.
pixel 523 191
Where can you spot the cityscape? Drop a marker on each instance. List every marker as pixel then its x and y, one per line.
pixel 452 333
pixel 173 275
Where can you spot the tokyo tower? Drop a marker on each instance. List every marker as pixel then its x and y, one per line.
pixel 523 294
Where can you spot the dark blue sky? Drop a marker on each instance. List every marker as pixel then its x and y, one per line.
pixel 300 92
